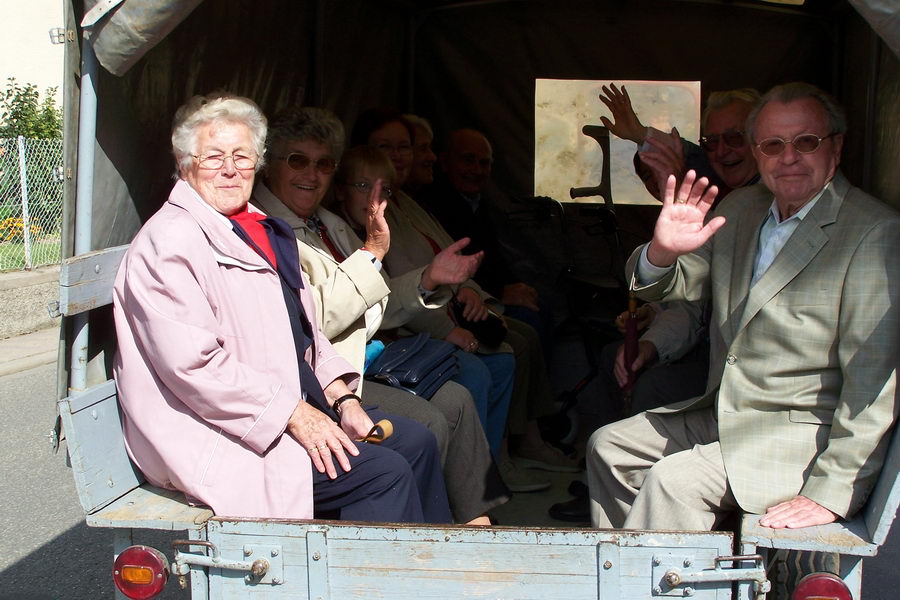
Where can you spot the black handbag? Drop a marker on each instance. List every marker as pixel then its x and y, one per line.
pixel 418 364
pixel 490 332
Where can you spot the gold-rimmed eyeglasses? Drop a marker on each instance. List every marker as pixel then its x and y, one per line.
pixel 805 143
pixel 216 161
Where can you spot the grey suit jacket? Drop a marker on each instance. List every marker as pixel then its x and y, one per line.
pixel 803 365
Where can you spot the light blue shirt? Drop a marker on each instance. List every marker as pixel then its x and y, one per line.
pixel 773 235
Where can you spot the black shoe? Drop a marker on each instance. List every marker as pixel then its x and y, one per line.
pixel 578 488
pixel 576 510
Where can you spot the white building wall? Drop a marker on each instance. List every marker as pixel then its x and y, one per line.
pixel 25 49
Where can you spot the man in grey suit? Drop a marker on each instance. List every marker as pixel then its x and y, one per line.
pixel 804 276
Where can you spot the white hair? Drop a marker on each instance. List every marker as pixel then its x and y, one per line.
pixel 202 110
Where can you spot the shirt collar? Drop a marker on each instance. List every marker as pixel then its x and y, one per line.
pixel 800 214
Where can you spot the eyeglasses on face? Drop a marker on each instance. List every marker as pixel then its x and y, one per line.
pixel 364 187
pixel 805 143
pixel 401 148
pixel 298 161
pixel 732 139
pixel 215 161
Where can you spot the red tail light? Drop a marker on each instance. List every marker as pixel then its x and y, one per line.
pixel 822 586
pixel 141 572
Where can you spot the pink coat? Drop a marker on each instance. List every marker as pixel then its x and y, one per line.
pixel 206 369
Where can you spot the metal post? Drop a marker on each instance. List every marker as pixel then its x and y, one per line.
pixel 23 185
pixel 84 197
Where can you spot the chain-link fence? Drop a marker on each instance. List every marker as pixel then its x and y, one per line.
pixel 31 196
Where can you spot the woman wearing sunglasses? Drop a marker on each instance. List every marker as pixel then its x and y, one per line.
pixel 354 298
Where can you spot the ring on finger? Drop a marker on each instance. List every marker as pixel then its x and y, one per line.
pixel 313 449
pixel 322 447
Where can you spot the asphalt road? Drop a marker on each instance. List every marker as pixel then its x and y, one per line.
pixel 46 551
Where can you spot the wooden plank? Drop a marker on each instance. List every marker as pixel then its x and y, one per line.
pixel 407 561
pixel 843 538
pixel 149 507
pixel 86 280
pixel 100 465
pixel 881 508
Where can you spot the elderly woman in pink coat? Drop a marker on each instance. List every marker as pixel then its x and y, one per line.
pixel 229 390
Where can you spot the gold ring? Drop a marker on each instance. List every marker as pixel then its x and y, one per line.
pixel 313 449
pixel 322 447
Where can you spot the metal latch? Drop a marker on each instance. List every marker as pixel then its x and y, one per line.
pixel 264 564
pixel 678 576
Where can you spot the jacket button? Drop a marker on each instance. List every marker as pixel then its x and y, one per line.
pixel 731 359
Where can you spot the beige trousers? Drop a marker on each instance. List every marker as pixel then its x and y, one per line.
pixel 658 471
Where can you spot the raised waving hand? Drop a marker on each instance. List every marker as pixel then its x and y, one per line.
pixel 680 228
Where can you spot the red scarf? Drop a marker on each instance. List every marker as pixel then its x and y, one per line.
pixel 250 221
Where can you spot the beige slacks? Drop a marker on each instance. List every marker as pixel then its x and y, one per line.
pixel 658 471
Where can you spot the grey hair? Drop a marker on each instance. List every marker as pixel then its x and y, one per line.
pixel 799 90
pixel 307 123
pixel 218 106
pixel 719 100
pixel 417 121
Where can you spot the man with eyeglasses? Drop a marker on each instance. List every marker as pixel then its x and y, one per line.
pixel 723 155
pixel 804 277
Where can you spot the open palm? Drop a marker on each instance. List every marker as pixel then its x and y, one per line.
pixel 680 228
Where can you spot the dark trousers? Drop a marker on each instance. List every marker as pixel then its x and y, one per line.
pixel 398 481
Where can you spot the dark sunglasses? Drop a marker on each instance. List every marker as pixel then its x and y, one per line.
pixel 732 139
pixel 805 143
pixel 299 162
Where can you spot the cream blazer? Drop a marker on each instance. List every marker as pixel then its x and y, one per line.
pixel 353 298
pixel 803 364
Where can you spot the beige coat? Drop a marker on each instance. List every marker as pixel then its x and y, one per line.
pixel 803 365
pixel 353 298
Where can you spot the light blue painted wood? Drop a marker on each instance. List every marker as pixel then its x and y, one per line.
pixel 150 507
pixel 100 464
pixel 844 538
pixel 881 508
pixel 395 561
pixel 86 280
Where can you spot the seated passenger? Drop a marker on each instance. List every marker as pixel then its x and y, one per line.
pixel 229 390
pixel 417 238
pixel 464 201
pixel 802 390
pixel 723 155
pixel 354 297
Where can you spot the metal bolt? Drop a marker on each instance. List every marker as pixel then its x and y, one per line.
pixel 94 414
pixel 446 538
pixel 248 578
pixel 656 561
pixel 316 556
pixel 275 552
pixel 607 565
pixel 657 590
pixel 96 268
pixel 248 550
pixel 276 580
pixel 687 562
pixel 688 591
